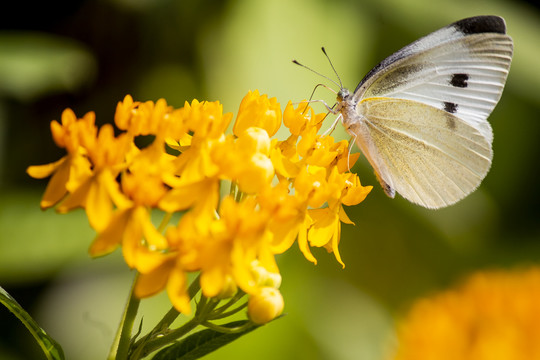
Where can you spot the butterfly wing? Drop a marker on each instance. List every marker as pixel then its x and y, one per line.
pixel 460 69
pixel 429 156
pixel 421 114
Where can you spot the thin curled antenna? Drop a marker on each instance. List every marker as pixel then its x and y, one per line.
pixel 333 68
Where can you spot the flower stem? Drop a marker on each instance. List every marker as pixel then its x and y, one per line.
pixel 221 315
pixel 120 347
pixel 227 330
pixel 160 334
pixel 156 343
pixel 172 314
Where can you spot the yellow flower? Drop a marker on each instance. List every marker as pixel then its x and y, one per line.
pixel 99 190
pixel 205 119
pixel 73 168
pixel 222 249
pixel 245 160
pixel 237 239
pixel 286 215
pixel 142 188
pixel 493 315
pixel 258 111
pixel 311 186
pixel 302 118
pixel 149 118
pixel 124 112
pixel 133 229
pixel 68 134
pixel 322 226
pixel 353 192
pixel 144 182
pixel 281 191
pixel 285 166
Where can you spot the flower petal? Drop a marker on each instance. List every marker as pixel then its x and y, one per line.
pixel 177 290
pixel 112 235
pixel 153 282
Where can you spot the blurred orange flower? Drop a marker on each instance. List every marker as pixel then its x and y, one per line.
pixel 493 315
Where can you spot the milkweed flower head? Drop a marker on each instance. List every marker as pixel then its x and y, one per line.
pixel 278 192
pixel 492 315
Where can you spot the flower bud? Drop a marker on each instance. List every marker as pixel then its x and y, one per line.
pixel 254 140
pixel 265 305
pixel 264 277
pixel 254 174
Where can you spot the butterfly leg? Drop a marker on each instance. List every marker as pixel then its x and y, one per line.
pixel 333 127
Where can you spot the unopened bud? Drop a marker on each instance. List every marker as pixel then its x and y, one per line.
pixel 265 305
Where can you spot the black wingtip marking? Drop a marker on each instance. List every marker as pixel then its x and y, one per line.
pixel 450 107
pixel 481 24
pixel 459 80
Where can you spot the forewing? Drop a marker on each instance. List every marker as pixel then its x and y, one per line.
pixel 429 156
pixel 460 69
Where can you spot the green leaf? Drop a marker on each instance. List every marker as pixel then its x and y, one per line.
pixel 51 348
pixel 202 343
pixel 34 64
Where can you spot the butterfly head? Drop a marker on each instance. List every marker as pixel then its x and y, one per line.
pixel 343 94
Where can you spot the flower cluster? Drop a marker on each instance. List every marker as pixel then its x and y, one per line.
pixel 243 197
pixel 493 315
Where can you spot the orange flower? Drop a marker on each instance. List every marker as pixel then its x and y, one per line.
pixel 493 315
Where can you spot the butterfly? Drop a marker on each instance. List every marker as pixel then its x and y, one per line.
pixel 420 116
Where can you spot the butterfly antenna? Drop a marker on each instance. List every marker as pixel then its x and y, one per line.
pixel 333 68
pixel 318 73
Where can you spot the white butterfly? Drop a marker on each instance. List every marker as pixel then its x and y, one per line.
pixel 420 116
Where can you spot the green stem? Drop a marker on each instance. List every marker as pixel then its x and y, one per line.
pixel 239 294
pixel 164 221
pixel 220 314
pixel 227 330
pixel 172 314
pixel 120 347
pixel 167 339
pixel 154 339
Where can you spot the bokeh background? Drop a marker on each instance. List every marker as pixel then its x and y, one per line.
pixel 88 54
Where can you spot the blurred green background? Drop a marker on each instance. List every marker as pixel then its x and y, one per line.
pixel 88 54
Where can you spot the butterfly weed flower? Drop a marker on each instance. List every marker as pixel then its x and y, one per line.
pixel 492 315
pixel 279 191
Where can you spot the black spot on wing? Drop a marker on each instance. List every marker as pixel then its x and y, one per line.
pixel 450 107
pixel 481 24
pixel 459 80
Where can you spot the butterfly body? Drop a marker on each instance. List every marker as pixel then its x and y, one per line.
pixel 420 116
